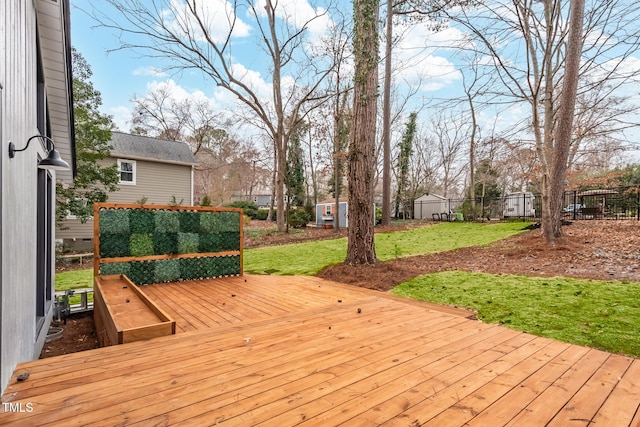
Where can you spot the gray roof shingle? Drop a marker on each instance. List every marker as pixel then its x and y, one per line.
pixel 153 149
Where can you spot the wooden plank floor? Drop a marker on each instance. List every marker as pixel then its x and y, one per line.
pixel 281 351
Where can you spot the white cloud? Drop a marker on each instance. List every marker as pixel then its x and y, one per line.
pixel 419 56
pixel 300 14
pixel 149 71
pixel 121 117
pixel 253 80
pixel 217 16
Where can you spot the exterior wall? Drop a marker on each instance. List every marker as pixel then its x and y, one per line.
pixel 328 209
pixel 518 205
pixel 21 337
pixel 424 207
pixel 158 182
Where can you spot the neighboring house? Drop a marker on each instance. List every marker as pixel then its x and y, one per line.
pixel 261 200
pixel 35 99
pixel 430 206
pixel 326 211
pixel 158 170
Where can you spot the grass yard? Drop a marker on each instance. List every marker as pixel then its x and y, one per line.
pixel 310 257
pixel 75 279
pixel 600 314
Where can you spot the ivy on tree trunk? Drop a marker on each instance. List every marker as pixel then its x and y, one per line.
pixel 361 249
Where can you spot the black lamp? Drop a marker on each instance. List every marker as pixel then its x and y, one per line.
pixel 53 161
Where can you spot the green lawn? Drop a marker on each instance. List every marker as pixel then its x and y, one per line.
pixel 74 279
pixel 600 314
pixel 310 257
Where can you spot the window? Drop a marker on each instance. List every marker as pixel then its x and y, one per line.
pixel 127 169
pixel 44 252
pixel 80 203
pixel 329 209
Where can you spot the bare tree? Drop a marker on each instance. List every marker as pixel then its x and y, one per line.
pixel 415 10
pixel 450 135
pixel 422 167
pixel 551 222
pixel 160 114
pixel 526 40
pixel 360 247
pixel 187 33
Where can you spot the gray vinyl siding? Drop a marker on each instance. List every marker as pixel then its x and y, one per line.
pixel 23 233
pixel 74 229
pixel 155 181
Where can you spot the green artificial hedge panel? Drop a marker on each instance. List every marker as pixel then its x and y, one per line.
pixel 142 221
pixel 114 245
pixel 188 243
pixel 142 272
pixel 165 243
pixel 172 270
pixel 167 270
pixel 114 221
pixel 189 222
pixel 230 221
pixel 141 244
pixel 210 242
pixel 167 222
pixel 210 222
pixel 143 232
pixel 109 268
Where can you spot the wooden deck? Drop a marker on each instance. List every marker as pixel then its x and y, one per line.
pixel 280 351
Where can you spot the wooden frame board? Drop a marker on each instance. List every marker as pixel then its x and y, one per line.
pixel 123 313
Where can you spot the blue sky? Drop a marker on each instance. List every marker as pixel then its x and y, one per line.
pixel 423 60
pixel 119 75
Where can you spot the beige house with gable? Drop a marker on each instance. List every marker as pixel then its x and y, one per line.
pixel 156 170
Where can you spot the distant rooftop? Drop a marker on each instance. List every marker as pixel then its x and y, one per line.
pixel 149 148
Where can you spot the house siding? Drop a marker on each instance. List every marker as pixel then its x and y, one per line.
pixel 156 181
pixel 21 337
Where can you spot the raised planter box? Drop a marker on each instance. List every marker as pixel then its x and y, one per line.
pixel 123 313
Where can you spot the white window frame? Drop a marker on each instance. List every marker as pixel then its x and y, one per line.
pixel 329 209
pixel 72 216
pixel 133 171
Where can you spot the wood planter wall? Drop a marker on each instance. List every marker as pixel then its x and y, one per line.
pixel 153 244
pixel 139 245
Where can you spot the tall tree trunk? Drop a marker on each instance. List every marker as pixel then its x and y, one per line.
pixel 280 136
pixel 386 122
pixel 566 111
pixel 360 248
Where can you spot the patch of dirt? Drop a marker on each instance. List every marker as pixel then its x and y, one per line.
pixel 589 249
pixel 608 250
pixel 79 334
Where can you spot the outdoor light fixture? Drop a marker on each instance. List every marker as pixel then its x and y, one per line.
pixel 53 161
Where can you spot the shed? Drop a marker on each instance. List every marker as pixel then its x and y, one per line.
pixel 429 206
pixel 326 210
pixel 519 204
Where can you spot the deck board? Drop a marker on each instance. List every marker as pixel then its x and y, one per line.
pixel 278 351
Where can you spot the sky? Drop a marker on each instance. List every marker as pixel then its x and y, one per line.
pixel 121 74
pixel 424 59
